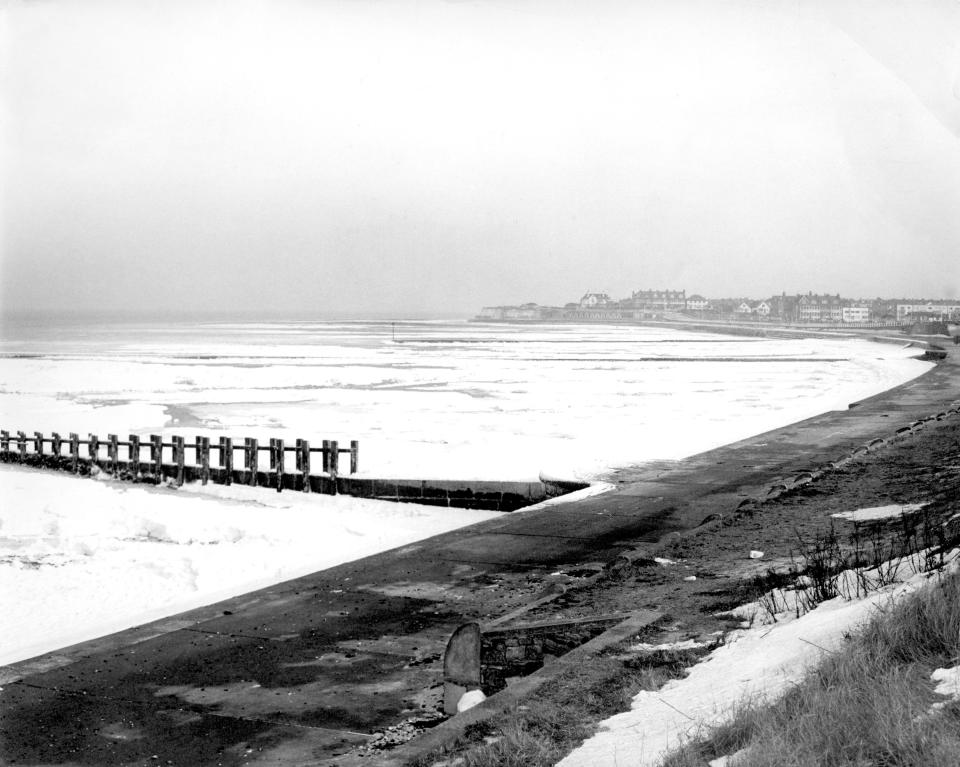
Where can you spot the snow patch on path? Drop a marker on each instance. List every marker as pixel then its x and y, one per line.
pixel 874 513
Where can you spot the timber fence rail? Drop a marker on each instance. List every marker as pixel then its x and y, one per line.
pixel 65 454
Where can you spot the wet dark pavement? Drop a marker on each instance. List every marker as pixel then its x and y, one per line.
pixel 304 671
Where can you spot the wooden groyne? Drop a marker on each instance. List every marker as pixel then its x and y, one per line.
pixel 124 459
pixel 176 460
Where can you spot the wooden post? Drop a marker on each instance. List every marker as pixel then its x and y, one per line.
pixel 253 460
pixel 273 453
pixel 56 443
pixel 113 451
pixel 226 458
pixel 93 448
pixel 325 463
pixel 38 443
pixel 4 441
pixel 334 465
pixel 303 462
pixel 133 457
pixel 178 451
pixel 354 456
pixel 278 462
pixel 74 452
pixel 204 459
pixel 156 457
pixel 22 445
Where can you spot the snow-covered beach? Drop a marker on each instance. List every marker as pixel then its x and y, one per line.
pixel 80 558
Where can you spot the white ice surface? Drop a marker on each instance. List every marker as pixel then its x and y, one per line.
pixel 80 558
pixel 760 662
pixel 874 513
pixel 445 400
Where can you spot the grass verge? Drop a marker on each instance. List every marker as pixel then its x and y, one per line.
pixel 867 705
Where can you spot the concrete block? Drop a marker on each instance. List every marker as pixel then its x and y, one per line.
pixel 432 490
pixel 488 495
pixel 359 488
pixel 461 665
pixel 469 503
pixel 409 490
pixel 384 487
pixel 511 501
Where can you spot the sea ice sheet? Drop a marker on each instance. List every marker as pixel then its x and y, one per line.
pixel 440 400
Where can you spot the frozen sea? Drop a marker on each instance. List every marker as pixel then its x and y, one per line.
pixel 437 399
pixel 80 558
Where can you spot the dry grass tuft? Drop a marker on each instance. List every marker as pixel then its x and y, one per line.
pixel 869 705
pixel 564 713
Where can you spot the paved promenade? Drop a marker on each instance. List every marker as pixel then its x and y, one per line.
pixel 298 673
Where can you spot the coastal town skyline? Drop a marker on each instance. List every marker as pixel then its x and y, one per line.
pixel 807 307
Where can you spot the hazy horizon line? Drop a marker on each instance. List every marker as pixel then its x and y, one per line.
pixel 41 316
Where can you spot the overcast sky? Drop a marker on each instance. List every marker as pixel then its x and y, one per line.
pixel 435 157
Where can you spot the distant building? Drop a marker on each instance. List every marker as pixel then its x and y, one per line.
pixel 783 307
pixel 491 313
pixel 522 312
pixel 882 309
pixel 857 313
pixel 817 308
pixel 761 310
pixel 591 300
pixel 658 300
pixel 744 308
pixel 932 310
pixel 697 303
